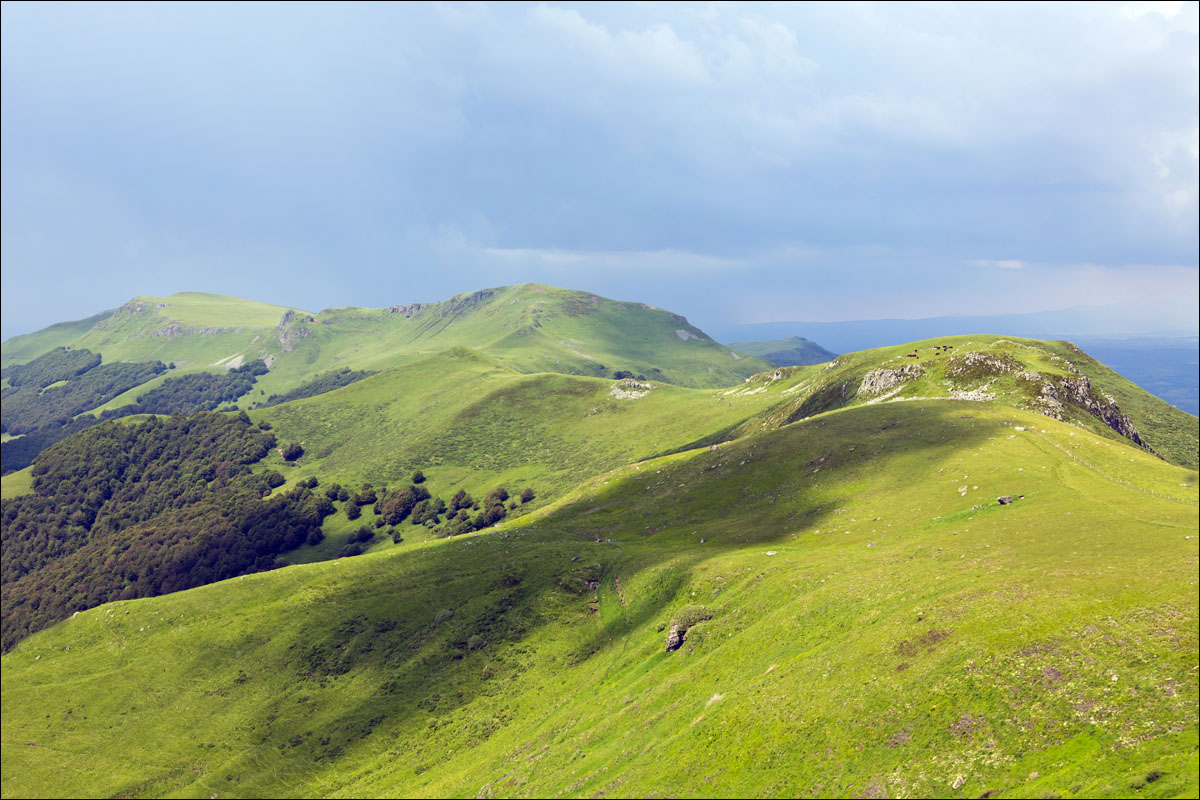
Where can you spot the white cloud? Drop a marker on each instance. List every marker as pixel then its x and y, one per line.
pixel 1007 263
pixel 666 260
pixel 1164 8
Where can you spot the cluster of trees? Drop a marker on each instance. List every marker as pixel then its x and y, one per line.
pixel 414 503
pixel 230 533
pixel 28 408
pixel 624 373
pixel 19 453
pixel 42 414
pixel 199 391
pixel 60 364
pixel 325 382
pixel 123 511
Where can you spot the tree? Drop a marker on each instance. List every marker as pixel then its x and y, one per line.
pixel 418 477
pixel 461 500
pixel 526 495
pixel 292 451
pixel 352 510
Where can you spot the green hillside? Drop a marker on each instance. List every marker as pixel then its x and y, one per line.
pixel 793 351
pixel 724 580
pixel 863 619
pixel 530 328
pixel 1056 379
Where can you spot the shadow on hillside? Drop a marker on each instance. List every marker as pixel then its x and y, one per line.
pixel 433 630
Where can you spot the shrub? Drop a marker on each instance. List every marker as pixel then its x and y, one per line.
pixel 352 510
pixel 526 495
pixel 418 477
pixel 461 500
pixel 292 451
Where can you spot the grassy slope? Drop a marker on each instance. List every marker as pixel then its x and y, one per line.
pixel 529 327
pixel 1172 433
pixel 467 421
pixel 871 633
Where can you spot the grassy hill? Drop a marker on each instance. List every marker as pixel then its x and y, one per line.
pixel 528 328
pixel 793 351
pixel 877 624
pixel 854 611
pixel 531 328
pixel 1054 378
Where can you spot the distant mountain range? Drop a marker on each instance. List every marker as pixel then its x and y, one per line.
pixel 793 351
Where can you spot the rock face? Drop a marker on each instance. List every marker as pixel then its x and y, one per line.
pixel 881 380
pixel 1057 393
pixel 289 332
pixel 683 621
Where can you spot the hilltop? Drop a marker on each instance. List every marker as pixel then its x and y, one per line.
pixel 295 353
pixel 530 327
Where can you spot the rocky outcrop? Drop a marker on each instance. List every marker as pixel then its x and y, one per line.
pixel 975 365
pixel 447 308
pixel 409 311
pixel 174 329
pixel 878 381
pixel 290 331
pixel 629 389
pixel 1056 393
pixel 684 620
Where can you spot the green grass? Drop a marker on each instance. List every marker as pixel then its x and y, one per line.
pixel 871 632
pixel 530 328
pixel 1173 434
pixel 15 484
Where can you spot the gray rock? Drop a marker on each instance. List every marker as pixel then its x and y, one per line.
pixel 881 380
pixel 1004 500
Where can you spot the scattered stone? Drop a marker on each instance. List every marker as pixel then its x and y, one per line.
pixel 630 389
pixel 1004 499
pixel 958 782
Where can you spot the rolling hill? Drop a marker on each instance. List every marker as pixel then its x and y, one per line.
pixel 858 615
pixel 959 567
pixel 530 327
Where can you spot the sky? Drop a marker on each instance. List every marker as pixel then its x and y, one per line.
pixel 736 163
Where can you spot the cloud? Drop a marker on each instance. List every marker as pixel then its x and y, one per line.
pixel 1008 263
pixel 666 260
pixel 675 152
